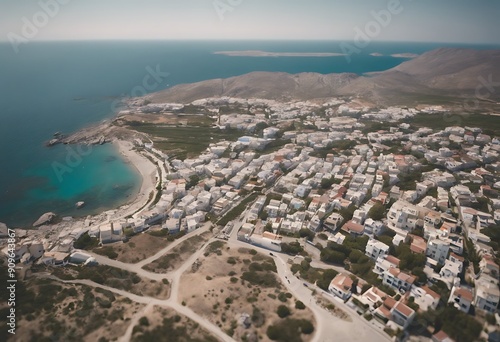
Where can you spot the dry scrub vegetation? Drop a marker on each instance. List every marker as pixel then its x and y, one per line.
pixel 239 291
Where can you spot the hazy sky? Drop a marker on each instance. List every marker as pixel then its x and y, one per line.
pixel 464 21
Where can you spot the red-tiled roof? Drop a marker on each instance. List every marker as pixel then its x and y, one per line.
pixel 389 302
pixel 430 292
pixel 393 260
pixel 463 293
pixel 404 309
pixel 351 226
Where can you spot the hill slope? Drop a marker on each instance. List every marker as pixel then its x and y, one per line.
pixel 447 72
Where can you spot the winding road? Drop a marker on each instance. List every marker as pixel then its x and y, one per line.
pixel 327 328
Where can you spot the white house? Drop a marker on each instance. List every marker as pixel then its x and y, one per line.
pixel 461 298
pixel 486 294
pixel 425 297
pixel 384 263
pixel 373 227
pixel 341 286
pixel 438 249
pixel 374 249
pixel 402 314
pixel 398 280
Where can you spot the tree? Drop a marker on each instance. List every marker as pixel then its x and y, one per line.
pixel 348 212
pixel 377 212
pixel 307 233
pixel 419 272
pixel 355 255
pixel 268 227
pixel 326 279
pixel 85 242
pixel 334 257
pixel 292 248
pixel 326 183
pixel 193 180
pixel 299 305
pixel 283 311
pixel 306 327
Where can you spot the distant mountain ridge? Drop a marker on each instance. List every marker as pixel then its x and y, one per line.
pixel 444 72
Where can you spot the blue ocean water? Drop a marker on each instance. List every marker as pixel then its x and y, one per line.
pixel 63 86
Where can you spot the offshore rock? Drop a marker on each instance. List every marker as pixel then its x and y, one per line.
pixel 44 219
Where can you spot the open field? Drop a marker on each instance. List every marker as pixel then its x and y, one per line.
pixel 441 121
pixel 178 255
pixel 160 324
pixel 185 141
pixel 51 311
pixel 233 286
pixel 117 278
pixel 139 247
pixel 190 119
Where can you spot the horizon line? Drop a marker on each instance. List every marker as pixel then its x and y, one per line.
pixel 244 40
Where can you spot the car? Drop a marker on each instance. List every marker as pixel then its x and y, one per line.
pixel 271 254
pixel 305 284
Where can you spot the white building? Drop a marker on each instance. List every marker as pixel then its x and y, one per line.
pixel 375 249
pixel 461 298
pixel 486 294
pixel 398 280
pixel 341 286
pixel 438 249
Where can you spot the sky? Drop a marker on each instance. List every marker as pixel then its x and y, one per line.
pixel 444 21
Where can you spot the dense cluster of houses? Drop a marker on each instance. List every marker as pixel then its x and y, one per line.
pixel 310 185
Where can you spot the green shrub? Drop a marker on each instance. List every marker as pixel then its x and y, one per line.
pixel 86 242
pixel 283 311
pixel 282 297
pixel 144 321
pixel 299 305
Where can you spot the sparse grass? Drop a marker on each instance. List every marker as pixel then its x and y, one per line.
pixel 184 142
pixel 177 255
pixel 441 121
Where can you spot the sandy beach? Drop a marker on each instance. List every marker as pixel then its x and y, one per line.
pixel 146 169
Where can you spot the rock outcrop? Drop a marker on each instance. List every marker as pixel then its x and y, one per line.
pixel 4 231
pixel 44 219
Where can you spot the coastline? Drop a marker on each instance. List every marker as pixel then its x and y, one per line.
pixel 147 171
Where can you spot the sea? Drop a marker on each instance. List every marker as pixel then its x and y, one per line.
pixel 49 87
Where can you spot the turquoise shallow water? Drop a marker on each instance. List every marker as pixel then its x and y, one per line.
pixel 63 86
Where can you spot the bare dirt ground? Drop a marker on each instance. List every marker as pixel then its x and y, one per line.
pixel 334 310
pixel 178 255
pixel 139 247
pixel 214 289
pixel 162 324
pixel 117 278
pixel 64 312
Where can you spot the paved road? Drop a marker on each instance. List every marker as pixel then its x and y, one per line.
pixel 150 301
pixel 328 327
pixel 137 267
